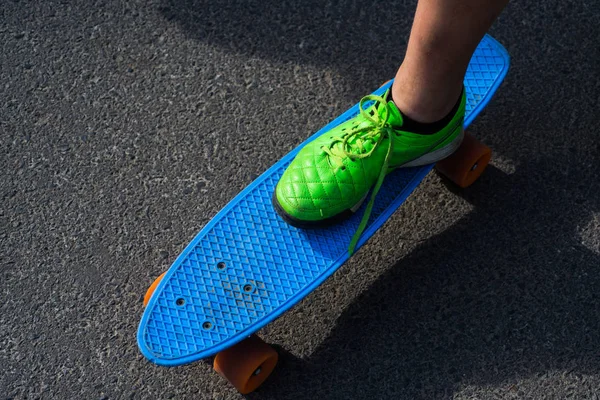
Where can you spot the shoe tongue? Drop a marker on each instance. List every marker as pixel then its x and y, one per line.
pixel 395 116
pixel 394 119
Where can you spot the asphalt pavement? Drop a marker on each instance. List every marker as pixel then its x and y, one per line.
pixel 125 126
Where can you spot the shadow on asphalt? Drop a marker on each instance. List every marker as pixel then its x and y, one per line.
pixel 280 31
pixel 505 294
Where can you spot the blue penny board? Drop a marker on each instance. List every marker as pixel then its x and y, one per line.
pixel 247 266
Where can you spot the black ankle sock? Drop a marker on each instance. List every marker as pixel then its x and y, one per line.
pixel 410 125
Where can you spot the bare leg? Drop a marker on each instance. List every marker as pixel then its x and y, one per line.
pixel 444 35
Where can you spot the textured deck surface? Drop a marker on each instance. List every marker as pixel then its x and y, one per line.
pixel 247 266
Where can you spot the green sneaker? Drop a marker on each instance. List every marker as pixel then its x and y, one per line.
pixel 331 176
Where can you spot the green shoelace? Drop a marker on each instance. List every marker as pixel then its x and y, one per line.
pixel 375 131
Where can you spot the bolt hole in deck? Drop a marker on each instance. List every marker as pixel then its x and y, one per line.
pixel 180 301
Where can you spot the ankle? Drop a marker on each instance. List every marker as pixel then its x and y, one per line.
pixel 423 101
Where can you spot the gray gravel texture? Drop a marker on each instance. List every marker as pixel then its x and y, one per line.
pixel 125 126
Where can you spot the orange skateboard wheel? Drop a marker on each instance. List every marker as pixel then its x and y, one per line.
pixel 246 364
pixel 466 164
pixel 152 288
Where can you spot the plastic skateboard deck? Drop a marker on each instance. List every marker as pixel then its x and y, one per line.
pixel 247 266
